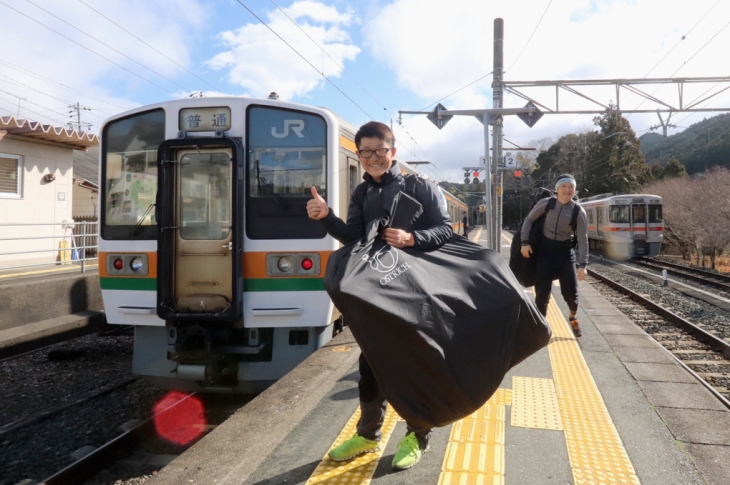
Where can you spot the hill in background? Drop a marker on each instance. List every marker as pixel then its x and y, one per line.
pixel 701 146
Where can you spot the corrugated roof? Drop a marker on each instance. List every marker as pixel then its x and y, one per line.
pixel 34 130
pixel 86 165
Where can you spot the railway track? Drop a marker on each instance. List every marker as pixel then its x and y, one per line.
pixel 707 278
pixel 704 354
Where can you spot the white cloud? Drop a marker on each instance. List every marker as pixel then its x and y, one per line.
pixel 251 49
pixel 54 64
pixel 435 48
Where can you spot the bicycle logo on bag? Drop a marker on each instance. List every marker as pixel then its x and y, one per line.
pixel 385 261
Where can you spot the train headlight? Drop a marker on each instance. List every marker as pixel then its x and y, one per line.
pixel 284 264
pixel 136 264
pixel 118 264
pixel 307 264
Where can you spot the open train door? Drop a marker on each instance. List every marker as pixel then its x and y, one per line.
pixel 200 230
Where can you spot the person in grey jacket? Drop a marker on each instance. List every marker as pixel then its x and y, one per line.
pixel 430 230
pixel 556 258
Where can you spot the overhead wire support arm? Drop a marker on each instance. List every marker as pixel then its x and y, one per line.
pixel 628 85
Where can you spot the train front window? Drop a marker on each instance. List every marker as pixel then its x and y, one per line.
pixel 655 213
pixel 618 213
pixel 286 156
pixel 638 213
pixel 129 174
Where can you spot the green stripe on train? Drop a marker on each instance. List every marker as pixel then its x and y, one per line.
pixel 140 284
pixel 251 284
pixel 283 284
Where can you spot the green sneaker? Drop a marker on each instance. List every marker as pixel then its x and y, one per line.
pixel 353 447
pixel 408 454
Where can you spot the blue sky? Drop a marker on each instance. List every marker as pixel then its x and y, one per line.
pixel 110 55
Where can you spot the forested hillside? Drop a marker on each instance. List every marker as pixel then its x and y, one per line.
pixel 701 146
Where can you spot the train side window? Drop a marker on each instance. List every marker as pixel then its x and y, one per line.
pixel 618 214
pixel 655 213
pixel 354 179
pixel 589 213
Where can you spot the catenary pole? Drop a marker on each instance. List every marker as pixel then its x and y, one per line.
pixel 497 88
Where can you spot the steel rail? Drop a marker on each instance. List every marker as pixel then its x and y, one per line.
pixel 682 274
pixel 712 340
pixel 710 274
pixel 95 461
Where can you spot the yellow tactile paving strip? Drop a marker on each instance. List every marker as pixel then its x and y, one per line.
pixel 595 450
pixel 475 452
pixel 535 404
pixel 359 470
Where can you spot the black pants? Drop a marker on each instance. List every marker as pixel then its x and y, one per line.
pixel 373 406
pixel 556 260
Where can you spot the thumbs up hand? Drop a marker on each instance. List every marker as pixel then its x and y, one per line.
pixel 317 207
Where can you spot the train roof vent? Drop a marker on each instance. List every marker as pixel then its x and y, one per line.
pixel 273 95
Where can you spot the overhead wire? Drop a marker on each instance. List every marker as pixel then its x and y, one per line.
pixel 691 57
pixel 327 54
pixel 304 58
pixel 108 46
pixel 533 33
pixel 460 89
pixel 151 47
pixel 31 111
pixel 50 81
pixel 67 102
pixel 90 50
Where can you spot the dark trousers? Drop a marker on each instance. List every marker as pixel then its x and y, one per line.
pixel 373 406
pixel 556 260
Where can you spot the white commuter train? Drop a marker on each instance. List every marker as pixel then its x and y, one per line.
pixel 624 226
pixel 205 244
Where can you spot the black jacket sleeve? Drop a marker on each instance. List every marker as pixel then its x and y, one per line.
pixel 355 227
pixel 433 228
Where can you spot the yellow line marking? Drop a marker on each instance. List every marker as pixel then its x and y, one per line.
pixel 55 270
pixel 595 450
pixel 476 237
pixel 359 470
pixel 475 452
pixel 535 404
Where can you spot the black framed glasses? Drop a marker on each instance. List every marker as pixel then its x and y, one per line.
pixel 381 152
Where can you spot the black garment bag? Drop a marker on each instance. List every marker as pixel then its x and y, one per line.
pixel 439 328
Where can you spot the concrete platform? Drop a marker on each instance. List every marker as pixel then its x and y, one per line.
pixel 624 412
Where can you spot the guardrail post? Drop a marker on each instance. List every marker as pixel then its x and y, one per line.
pixel 83 246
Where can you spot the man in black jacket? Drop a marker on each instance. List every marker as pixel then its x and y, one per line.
pixel 430 230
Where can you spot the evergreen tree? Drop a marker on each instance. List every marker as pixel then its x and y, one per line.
pixel 616 163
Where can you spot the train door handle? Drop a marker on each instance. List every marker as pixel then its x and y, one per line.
pixel 229 246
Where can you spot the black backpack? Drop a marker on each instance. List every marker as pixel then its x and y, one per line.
pixel 525 269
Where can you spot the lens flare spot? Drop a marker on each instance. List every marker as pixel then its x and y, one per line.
pixel 179 418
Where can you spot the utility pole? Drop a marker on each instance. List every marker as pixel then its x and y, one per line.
pixel 497 93
pixel 77 108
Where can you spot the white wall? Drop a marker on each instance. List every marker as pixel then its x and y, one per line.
pixel 40 203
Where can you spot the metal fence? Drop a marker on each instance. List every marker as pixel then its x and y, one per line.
pixel 66 243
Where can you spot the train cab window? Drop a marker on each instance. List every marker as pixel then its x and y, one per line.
pixel 129 175
pixel 655 213
pixel 638 213
pixel 618 213
pixel 286 156
pixel 353 178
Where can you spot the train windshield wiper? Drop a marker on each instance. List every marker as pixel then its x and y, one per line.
pixel 141 219
pixel 270 186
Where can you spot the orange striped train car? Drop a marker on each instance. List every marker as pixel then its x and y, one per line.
pixel 624 226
